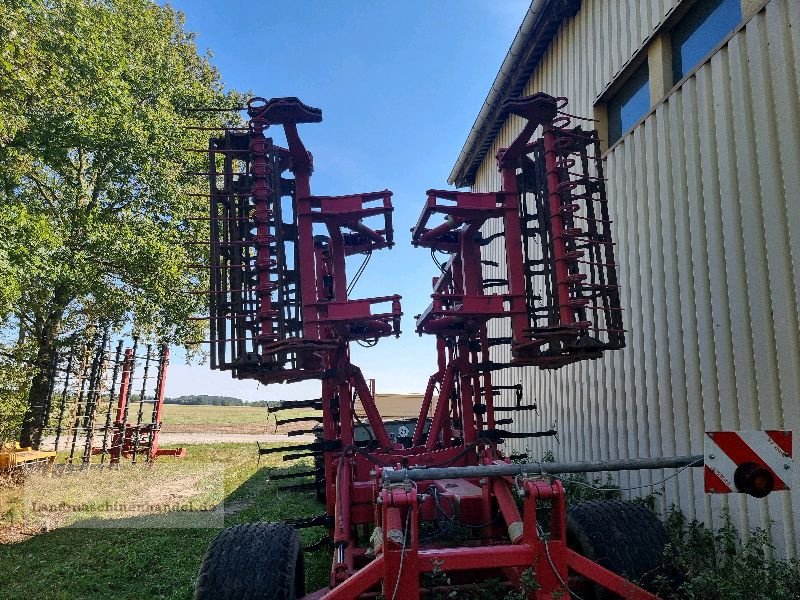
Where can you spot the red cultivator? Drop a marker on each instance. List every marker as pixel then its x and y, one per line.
pixel 395 502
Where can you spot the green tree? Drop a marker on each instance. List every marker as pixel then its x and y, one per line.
pixel 93 174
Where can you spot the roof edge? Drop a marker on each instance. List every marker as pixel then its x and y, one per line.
pixel 532 39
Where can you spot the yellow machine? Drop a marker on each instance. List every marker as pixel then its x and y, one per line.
pixel 14 456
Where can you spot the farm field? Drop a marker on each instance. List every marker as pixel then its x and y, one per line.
pixel 226 419
pixel 81 548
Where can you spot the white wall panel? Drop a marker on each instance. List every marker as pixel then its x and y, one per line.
pixel 705 195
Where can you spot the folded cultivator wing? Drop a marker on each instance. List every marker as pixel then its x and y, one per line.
pixel 435 504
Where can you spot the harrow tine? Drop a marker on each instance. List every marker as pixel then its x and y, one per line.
pixel 497 434
pixel 323 520
pixel 279 422
pixel 212 109
pixel 521 407
pixel 221 128
pixel 299 487
pixel 300 455
pixel 323 543
pixel 290 404
pixel 300 432
pixel 296 474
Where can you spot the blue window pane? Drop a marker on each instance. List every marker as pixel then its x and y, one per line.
pixel 629 104
pixel 704 26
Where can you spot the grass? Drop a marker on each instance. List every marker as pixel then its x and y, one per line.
pixel 145 559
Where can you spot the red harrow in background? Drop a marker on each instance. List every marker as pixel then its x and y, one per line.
pixel 441 508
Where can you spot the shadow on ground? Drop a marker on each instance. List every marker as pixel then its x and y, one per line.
pixel 149 556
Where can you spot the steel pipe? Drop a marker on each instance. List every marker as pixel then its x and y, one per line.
pixel 503 470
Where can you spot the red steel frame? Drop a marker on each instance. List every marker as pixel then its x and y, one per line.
pixel 122 441
pixel 459 395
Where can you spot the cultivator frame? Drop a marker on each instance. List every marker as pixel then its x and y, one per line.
pixel 281 311
pixel 105 404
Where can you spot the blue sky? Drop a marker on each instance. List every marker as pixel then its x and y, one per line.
pixel 399 85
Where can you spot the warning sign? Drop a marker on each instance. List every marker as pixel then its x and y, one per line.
pixel 735 461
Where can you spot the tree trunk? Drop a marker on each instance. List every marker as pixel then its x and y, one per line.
pixel 36 415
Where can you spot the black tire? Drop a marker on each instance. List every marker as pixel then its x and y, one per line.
pixel 623 537
pixel 255 561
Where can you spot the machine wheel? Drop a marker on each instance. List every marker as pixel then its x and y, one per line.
pixel 256 561
pixel 623 537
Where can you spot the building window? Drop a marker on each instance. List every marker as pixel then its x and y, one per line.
pixel 629 104
pixel 700 31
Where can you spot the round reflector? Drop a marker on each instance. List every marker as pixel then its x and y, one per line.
pixel 754 479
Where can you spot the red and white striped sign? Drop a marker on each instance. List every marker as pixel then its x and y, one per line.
pixel 724 451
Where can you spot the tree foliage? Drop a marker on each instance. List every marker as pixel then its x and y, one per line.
pixel 93 170
pixel 206 400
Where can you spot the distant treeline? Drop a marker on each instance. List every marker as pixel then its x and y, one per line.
pixel 205 400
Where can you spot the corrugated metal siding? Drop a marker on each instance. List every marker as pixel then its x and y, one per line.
pixel 705 194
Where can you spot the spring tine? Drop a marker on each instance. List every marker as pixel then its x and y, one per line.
pixel 515 408
pixel 212 109
pixel 300 432
pixel 204 292
pixel 296 474
pixel 279 422
pixel 315 403
pixel 217 195
pixel 288 457
pixel 217 150
pixel 219 174
pixel 220 128
pixel 246 267
pixel 299 487
pixel 218 243
pixel 220 219
pixel 323 543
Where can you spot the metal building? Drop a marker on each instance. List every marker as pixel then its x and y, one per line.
pixel 699 104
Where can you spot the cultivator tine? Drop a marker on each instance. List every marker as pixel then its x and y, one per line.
pixel 279 422
pixel 324 543
pixel 63 403
pixel 323 520
pixel 313 447
pixel 48 407
pixel 94 394
pixel 200 128
pixel 497 435
pixel 77 406
pixel 315 403
pixel 299 487
pixel 211 109
pixel 126 393
pixel 296 474
pixel 518 407
pixel 301 455
pixel 142 396
pixel 299 432
pixel 108 424
pixel 158 398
